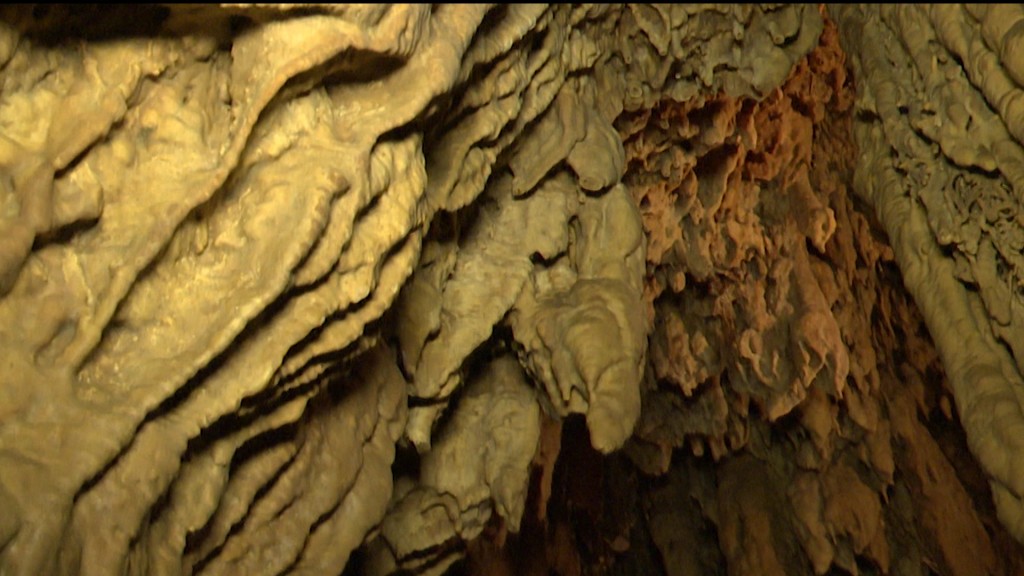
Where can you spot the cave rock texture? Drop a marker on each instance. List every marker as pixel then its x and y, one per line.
pixel 512 289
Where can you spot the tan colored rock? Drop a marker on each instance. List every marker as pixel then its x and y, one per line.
pixel 516 289
pixel 196 151
pixel 941 174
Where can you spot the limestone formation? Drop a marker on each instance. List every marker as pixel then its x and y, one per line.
pixel 511 289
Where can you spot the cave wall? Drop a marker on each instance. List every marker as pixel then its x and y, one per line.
pixel 702 289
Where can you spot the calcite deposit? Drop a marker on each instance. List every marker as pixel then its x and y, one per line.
pixel 511 289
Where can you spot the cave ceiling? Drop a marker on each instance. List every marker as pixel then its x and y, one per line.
pixel 512 289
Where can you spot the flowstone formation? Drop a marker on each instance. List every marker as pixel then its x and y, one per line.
pixel 943 126
pixel 510 289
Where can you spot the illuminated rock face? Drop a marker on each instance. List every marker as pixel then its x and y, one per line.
pixel 521 289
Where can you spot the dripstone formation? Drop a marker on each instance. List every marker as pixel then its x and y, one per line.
pixel 511 289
